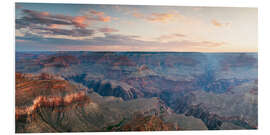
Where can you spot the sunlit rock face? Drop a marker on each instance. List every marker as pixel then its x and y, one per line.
pixel 122 91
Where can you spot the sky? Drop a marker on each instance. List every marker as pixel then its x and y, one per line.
pixel 88 27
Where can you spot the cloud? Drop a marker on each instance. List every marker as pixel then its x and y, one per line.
pixel 161 17
pixel 107 39
pixel 108 30
pixel 47 25
pixel 165 17
pixel 171 37
pixel 117 39
pixel 58 30
pixel 157 17
pixel 41 40
pixel 97 16
pixel 150 46
pixel 96 13
pixel 54 26
pixel 32 18
pixel 53 31
pixel 138 15
pixel 113 40
pixel 79 21
pixel 220 24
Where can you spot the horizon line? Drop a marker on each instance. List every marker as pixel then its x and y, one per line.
pixel 131 51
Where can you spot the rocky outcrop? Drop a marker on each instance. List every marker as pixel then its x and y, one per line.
pixel 147 123
pixel 239 60
pixel 211 120
pixel 43 98
pixel 65 107
pixel 29 86
pixel 113 88
pixel 51 102
pixel 59 61
pixel 45 90
pixel 108 87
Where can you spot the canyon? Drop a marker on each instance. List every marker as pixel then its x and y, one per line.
pixel 135 91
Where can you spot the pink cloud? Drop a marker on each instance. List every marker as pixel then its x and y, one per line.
pixel 54 26
pixel 105 18
pixel 161 17
pixel 220 24
pixel 157 17
pixel 79 21
pixel 97 16
pixel 33 18
pixel 138 15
